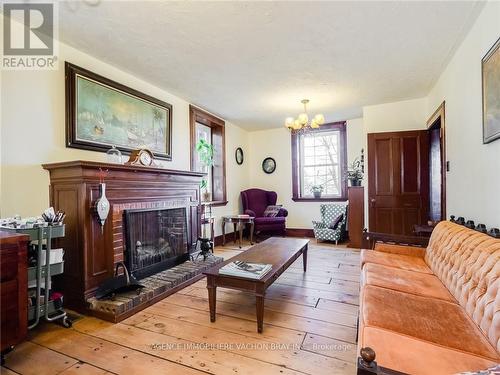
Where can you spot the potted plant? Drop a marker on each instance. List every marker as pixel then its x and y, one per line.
pixel 317 190
pixel 354 173
pixel 206 156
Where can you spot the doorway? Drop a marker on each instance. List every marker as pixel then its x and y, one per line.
pixel 437 165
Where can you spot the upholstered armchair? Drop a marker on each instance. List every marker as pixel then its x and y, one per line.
pixel 254 203
pixel 329 212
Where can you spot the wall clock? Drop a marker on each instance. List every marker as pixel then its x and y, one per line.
pixel 238 155
pixel 269 165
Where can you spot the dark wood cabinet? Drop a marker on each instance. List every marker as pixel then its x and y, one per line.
pixel 13 288
pixel 356 215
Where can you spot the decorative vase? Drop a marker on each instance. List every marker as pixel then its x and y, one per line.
pixel 317 194
pixel 102 205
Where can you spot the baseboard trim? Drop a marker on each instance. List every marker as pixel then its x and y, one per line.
pixel 299 232
pixel 290 232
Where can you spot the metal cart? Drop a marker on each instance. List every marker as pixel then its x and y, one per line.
pixel 42 275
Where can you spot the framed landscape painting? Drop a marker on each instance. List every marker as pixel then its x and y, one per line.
pixel 491 93
pixel 101 113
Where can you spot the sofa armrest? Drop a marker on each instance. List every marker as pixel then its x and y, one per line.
pixel 283 212
pixel 250 212
pixel 372 238
pixel 400 249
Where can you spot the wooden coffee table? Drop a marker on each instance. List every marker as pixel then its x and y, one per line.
pixel 280 252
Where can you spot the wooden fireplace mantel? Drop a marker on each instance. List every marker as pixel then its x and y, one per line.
pixel 91 252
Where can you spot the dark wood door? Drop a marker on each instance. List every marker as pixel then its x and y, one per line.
pixel 398 181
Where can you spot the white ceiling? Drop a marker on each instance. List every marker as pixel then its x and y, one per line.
pixel 252 62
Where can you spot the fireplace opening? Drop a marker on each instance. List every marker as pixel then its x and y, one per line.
pixel 156 239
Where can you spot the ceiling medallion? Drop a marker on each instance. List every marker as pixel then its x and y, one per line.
pixel 302 124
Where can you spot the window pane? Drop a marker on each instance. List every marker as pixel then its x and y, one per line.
pixel 319 162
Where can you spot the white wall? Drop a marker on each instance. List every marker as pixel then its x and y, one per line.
pixel 473 183
pixel 276 143
pixel 396 116
pixel 33 133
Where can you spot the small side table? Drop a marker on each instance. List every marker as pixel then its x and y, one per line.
pixel 240 222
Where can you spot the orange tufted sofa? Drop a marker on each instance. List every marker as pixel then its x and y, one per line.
pixel 434 310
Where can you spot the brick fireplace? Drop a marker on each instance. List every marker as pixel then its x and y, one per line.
pixel 91 252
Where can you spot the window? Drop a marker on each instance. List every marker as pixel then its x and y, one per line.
pixel 319 158
pixel 210 128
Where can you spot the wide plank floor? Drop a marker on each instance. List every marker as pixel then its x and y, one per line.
pixel 309 328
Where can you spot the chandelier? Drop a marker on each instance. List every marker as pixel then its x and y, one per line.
pixel 302 123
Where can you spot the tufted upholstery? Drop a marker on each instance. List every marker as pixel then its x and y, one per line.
pixel 441 304
pixel 468 264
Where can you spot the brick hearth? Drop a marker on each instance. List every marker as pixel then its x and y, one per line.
pixel 157 286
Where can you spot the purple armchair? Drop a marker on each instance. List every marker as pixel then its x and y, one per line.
pixel 255 202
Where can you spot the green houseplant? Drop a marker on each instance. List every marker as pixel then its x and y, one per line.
pixel 316 190
pixel 206 157
pixel 354 173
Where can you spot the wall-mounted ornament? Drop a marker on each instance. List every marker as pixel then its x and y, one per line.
pixel 238 155
pixel 269 165
pixel 102 203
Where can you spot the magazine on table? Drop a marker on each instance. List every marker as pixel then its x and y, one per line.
pixel 245 269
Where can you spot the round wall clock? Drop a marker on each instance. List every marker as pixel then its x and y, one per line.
pixel 238 155
pixel 269 165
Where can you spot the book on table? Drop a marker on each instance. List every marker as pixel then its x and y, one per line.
pixel 245 269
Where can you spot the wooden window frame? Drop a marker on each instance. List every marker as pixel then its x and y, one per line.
pixel 217 126
pixel 341 127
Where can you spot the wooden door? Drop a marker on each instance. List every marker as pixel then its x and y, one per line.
pixel 398 181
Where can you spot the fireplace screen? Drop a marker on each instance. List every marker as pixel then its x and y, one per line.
pixel 156 240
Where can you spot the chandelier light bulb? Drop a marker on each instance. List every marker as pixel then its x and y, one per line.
pixel 319 119
pixel 289 122
pixel 314 124
pixel 297 125
pixel 303 118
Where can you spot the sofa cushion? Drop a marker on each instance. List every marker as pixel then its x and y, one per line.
pixel 405 262
pixel 428 319
pixel 468 263
pixel 413 356
pixel 418 283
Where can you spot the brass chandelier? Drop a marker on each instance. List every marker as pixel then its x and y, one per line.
pixel 301 123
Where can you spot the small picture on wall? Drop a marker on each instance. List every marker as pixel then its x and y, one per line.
pixel 101 113
pixel 491 94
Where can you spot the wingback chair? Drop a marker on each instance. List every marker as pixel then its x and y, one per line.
pixel 254 203
pixel 329 212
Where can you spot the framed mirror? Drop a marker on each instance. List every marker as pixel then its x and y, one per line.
pixel 269 165
pixel 238 155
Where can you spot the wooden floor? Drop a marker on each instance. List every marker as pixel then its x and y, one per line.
pixel 309 328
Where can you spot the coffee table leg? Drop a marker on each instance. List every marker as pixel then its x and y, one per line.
pixel 304 258
pixel 234 232
pixel 259 299
pixel 212 298
pixel 251 233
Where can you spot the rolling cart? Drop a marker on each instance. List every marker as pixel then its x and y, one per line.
pixel 42 274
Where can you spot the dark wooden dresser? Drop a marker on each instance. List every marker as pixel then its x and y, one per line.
pixel 356 215
pixel 13 288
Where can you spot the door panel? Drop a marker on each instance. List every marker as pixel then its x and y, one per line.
pixel 398 174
